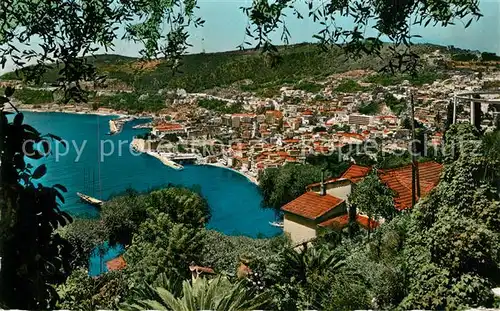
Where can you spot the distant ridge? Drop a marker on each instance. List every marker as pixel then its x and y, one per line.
pixel 208 70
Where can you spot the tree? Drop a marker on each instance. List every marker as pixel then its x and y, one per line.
pixel 202 294
pixel 162 246
pixel 82 292
pixel 84 235
pixel 372 197
pixel 452 235
pixel 122 215
pixel 282 185
pixel 33 256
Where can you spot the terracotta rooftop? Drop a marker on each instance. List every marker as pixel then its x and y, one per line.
pixel 356 172
pixel 312 205
pixel 342 221
pixel 199 269
pixel 116 264
pixel 399 180
pixel 168 126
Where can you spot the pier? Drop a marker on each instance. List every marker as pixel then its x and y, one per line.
pixel 165 160
pixel 116 125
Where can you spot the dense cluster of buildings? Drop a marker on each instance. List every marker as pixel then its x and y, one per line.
pixel 272 132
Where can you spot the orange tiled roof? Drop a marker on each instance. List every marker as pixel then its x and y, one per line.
pixel 116 264
pixel 356 172
pixel 199 269
pixel 312 205
pixel 276 113
pixel 168 126
pixel 342 221
pixel 399 180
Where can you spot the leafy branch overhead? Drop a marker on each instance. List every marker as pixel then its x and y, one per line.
pixel 374 21
pixel 62 33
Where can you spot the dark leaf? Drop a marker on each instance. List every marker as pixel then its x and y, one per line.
pixel 60 187
pixel 59 196
pixel 39 172
pixel 35 155
pixel 18 119
pixel 9 91
pixel 45 146
pixel 30 128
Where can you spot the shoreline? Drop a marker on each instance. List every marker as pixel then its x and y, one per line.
pixel 86 112
pixel 251 179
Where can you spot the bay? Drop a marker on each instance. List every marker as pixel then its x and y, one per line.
pixel 90 167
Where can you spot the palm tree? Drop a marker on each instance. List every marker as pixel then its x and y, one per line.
pixel 217 294
pixel 301 263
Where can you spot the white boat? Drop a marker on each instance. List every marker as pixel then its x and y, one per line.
pixel 89 200
pixel 276 224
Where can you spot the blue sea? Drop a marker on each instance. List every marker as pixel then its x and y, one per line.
pixel 235 202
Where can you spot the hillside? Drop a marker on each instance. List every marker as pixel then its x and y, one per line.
pixel 205 71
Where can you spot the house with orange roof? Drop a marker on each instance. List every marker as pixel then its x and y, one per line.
pixel 167 128
pixel 325 204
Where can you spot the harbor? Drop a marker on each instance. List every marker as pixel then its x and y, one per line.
pixel 116 125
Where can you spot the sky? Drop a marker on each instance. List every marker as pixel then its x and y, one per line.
pixel 225 23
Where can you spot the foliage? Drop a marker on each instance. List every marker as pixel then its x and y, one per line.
pixel 464 57
pixel 486 57
pixel 82 292
pixel 217 294
pixel 333 163
pixel 34 97
pixel 349 86
pixel 371 108
pixel 282 185
pixel 181 205
pixel 162 246
pixel 384 19
pixel 34 256
pixel 314 278
pixel 58 44
pixel 307 86
pixel 132 102
pixel 396 106
pixel 122 215
pixel 451 249
pixel 84 235
pixel 222 252
pixel 372 197
pixel 220 106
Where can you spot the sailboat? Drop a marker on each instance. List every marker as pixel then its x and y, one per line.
pixel 87 198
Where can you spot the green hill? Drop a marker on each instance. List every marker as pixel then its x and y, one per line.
pixel 205 71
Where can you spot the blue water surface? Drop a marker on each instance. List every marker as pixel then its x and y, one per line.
pixel 235 202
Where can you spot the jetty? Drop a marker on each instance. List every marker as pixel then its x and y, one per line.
pixel 116 125
pixel 165 160
pixel 143 126
pixel 90 200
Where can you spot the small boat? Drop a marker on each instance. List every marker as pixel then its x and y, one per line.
pixel 89 200
pixel 276 224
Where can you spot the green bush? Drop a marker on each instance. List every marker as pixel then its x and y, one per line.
pixel 220 105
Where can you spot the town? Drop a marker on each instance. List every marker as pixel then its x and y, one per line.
pixel 270 132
